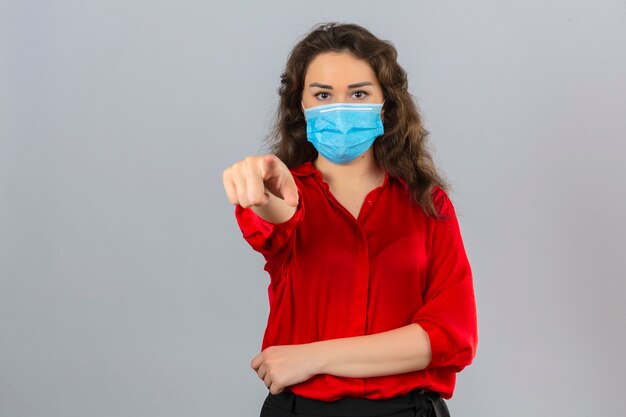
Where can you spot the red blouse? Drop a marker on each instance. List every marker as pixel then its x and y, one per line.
pixel 333 275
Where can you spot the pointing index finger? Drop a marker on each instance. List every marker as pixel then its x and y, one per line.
pixel 268 166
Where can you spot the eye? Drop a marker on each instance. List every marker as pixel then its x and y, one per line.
pixel 320 93
pixel 361 92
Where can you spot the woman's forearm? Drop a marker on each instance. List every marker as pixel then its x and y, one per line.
pixel 396 351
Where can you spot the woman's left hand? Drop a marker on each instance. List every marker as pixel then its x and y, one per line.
pixel 283 365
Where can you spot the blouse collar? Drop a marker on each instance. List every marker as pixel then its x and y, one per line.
pixel 307 168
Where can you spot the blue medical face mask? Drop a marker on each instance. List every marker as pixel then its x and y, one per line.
pixel 343 131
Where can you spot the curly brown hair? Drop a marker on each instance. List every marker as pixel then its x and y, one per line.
pixel 402 149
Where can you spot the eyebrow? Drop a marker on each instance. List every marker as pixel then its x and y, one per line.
pixel 361 84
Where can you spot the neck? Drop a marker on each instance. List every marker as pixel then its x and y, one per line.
pixel 363 168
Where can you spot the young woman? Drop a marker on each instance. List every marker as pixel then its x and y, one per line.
pixel 372 308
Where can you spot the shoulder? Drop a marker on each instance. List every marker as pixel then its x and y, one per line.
pixel 303 170
pixel 305 175
pixel 442 202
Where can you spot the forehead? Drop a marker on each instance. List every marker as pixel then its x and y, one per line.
pixel 338 68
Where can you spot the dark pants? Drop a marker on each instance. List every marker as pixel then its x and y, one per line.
pixel 417 403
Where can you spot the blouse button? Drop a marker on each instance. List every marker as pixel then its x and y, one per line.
pixel 369 202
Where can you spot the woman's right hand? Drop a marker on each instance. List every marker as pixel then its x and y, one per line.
pixel 264 183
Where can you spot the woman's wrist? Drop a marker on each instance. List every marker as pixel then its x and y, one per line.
pixel 320 356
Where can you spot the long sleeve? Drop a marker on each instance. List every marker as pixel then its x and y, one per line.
pixel 265 237
pixel 448 313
